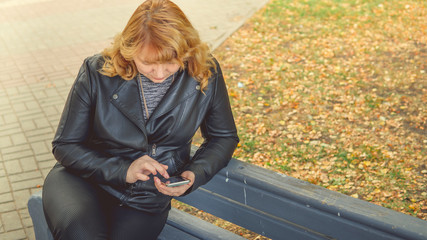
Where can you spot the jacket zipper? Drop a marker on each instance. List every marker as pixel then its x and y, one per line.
pixel 131 189
pixel 153 150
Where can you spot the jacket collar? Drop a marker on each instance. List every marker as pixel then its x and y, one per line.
pixel 183 87
pixel 127 98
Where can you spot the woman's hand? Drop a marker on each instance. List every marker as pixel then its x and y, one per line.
pixel 175 191
pixel 144 166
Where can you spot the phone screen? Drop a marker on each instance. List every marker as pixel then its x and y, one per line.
pixel 175 181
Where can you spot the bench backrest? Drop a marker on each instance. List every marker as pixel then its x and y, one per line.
pixel 278 206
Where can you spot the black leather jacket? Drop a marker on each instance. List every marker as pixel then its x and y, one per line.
pixel 102 130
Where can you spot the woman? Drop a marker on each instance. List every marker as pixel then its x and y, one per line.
pixel 127 127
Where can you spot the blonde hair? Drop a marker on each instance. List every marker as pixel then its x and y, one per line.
pixel 161 25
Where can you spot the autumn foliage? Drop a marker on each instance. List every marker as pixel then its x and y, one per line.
pixel 335 93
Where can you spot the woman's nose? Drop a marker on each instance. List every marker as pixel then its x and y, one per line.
pixel 159 71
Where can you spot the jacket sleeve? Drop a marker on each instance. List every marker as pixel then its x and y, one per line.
pixel 71 145
pixel 220 134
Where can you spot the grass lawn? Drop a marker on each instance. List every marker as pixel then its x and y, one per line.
pixel 334 92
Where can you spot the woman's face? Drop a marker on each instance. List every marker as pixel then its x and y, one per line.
pixel 156 72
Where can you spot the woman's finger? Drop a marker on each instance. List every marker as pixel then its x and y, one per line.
pixel 154 167
pixel 163 170
pixel 148 167
pixel 142 177
pixel 161 186
pixel 171 191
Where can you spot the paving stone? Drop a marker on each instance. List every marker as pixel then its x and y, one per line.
pixel 15 149
pixel 31 183
pixel 17 155
pixel 43 137
pixel 39 131
pixel 36 189
pixel 50 110
pixel 51 92
pixel 12 91
pixel 39 95
pixel 24 90
pixel 7 207
pixel 30 233
pixel 10 128
pixel 44 157
pixel 49 145
pixel 27 125
pixel 20 100
pixel 6 197
pixel 60 108
pixel 60 74
pixel 30 115
pixel 18 138
pixel 11 221
pixel 19 107
pixel 4 185
pixel 21 198
pixel 54 121
pixel 23 213
pixel 10 118
pixel 19 177
pixel 65 83
pixel 5 141
pixel 13 235
pixel 42 122
pixel 4 113
pixel 47 164
pixel 55 101
pixel 28 164
pixel 39 147
pixel 13 167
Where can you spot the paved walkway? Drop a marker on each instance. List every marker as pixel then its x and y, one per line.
pixel 42 45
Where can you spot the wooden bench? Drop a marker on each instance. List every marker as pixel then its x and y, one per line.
pixel 276 206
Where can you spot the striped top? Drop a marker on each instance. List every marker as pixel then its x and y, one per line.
pixel 153 93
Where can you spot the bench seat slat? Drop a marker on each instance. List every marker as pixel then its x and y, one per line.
pixel 324 212
pixel 248 217
pixel 196 227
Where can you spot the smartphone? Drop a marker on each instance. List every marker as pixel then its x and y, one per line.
pixel 175 181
